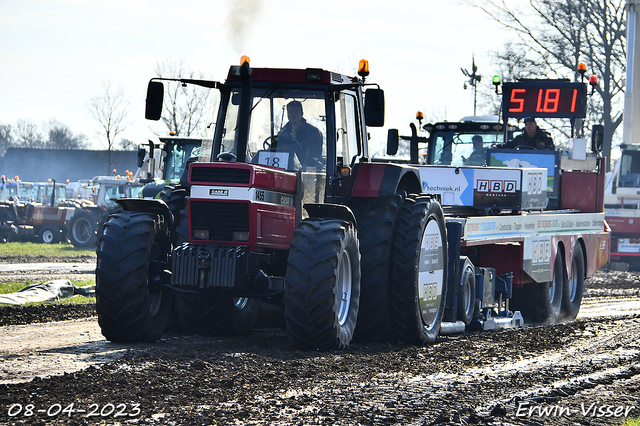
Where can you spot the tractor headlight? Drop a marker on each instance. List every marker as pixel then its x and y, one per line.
pixel 200 234
pixel 240 236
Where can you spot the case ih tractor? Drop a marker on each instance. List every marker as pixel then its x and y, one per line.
pixel 284 212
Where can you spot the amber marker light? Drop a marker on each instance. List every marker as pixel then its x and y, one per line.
pixel 244 59
pixel 363 68
pixel 593 81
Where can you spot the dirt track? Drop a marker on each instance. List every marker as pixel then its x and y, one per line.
pixel 583 372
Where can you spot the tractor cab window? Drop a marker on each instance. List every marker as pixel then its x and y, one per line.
pixel 287 128
pixel 112 193
pixel 346 128
pixel 462 149
pixel 629 169
pixel 178 160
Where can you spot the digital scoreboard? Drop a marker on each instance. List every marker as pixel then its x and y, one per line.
pixel 544 99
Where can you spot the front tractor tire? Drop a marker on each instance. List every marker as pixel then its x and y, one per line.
pixel 322 285
pixel 83 228
pixel 419 271
pixel 133 259
pixel 49 234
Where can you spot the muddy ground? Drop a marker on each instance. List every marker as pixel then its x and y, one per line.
pixel 584 372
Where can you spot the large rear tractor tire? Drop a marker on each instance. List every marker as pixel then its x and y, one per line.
pixel 419 272
pixel 83 229
pixel 376 220
pixel 542 303
pixel 574 286
pixel 132 267
pixel 322 285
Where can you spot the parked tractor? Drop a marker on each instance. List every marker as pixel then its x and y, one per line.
pixel 101 192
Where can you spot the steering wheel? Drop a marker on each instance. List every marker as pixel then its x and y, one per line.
pixel 226 156
pixel 288 143
pixel 526 147
pixel 266 145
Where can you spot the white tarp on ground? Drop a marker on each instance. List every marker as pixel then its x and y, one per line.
pixel 51 290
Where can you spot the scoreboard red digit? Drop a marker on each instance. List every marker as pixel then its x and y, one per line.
pixel 544 99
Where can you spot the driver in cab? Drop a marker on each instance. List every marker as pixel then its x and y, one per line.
pixel 533 137
pixel 300 137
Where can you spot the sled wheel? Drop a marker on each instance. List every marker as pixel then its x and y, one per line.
pixel 419 271
pixel 49 234
pixel 542 303
pixel 467 297
pixel 132 267
pixel 82 229
pixel 322 285
pixel 375 231
pixel 574 288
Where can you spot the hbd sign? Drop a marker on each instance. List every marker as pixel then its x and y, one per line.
pixel 496 186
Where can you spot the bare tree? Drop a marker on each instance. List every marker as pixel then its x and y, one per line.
pixel 110 110
pixel 184 110
pixel 6 138
pixel 27 134
pixel 556 35
pixel 127 144
pixel 61 137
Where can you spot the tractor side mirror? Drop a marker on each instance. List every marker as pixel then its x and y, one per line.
pixel 393 139
pixel 155 95
pixel 141 154
pixel 597 138
pixel 374 107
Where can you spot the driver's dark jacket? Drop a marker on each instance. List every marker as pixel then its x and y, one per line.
pixel 309 138
pixel 541 140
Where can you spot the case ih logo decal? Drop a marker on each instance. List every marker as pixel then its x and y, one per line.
pixel 496 187
pixel 219 192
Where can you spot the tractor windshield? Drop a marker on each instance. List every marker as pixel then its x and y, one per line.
pixel 177 160
pixel 457 149
pixel 287 128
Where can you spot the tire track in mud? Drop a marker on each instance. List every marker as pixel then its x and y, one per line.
pixel 594 354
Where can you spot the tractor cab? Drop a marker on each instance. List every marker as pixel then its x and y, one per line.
pixel 304 126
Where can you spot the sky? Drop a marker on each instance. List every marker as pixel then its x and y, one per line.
pixel 56 55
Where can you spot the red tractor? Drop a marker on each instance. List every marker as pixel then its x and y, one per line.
pixel 284 205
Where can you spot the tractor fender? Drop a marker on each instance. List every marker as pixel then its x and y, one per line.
pixel 385 179
pixel 148 205
pixel 326 210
